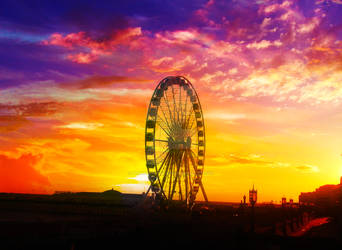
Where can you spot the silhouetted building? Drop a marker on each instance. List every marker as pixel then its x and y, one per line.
pixel 283 202
pixel 324 196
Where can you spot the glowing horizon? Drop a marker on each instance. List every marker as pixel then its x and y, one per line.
pixel 74 93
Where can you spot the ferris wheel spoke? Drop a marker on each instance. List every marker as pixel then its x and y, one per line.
pixel 188 173
pixel 164 125
pixel 180 184
pixel 163 163
pixel 193 132
pixel 161 148
pixel 161 140
pixel 168 105
pixel 174 103
pixel 185 176
pixel 192 121
pixel 184 112
pixel 192 124
pixel 166 121
pixel 180 105
pixel 170 177
pixel 164 129
pixel 166 166
pixel 177 108
pixel 184 117
pixel 188 118
pixel 192 160
pixel 193 153
pixel 160 155
pixel 183 179
pixel 175 181
pixel 165 174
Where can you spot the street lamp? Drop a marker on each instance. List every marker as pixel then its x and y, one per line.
pixel 253 195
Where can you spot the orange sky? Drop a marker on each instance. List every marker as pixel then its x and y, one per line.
pixel 271 101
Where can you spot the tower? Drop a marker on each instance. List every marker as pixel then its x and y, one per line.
pixel 253 195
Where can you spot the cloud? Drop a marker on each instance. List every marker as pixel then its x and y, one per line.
pixel 309 26
pixel 249 159
pixel 10 123
pixel 132 188
pixel 99 81
pixel 333 1
pixel 89 49
pixel 14 117
pixel 225 116
pixel 31 109
pixel 307 168
pixel 82 125
pixel 18 175
pixel 183 37
pixel 140 178
pixel 258 160
pixel 237 58
pixel 264 44
pixel 276 7
pixel 82 39
pixel 83 57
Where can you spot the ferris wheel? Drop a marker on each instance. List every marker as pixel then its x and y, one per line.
pixel 175 141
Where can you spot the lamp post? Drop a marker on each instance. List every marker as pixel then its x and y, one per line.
pixel 253 195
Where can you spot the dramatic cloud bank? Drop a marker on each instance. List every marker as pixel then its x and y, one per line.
pixel 75 82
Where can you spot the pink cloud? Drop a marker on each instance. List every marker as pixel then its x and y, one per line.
pixel 264 44
pixel 276 7
pixel 248 59
pixel 81 41
pixel 69 41
pixel 82 57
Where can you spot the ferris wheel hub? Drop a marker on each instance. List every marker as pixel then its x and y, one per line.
pixel 188 142
pixel 178 144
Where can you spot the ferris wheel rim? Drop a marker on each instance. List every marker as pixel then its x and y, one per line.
pixel 188 152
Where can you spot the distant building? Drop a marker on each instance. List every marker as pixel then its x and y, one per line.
pixel 283 201
pixel 324 196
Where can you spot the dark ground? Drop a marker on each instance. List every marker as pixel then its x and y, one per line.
pixel 85 222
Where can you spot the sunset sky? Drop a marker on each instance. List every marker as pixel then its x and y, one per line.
pixel 76 78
